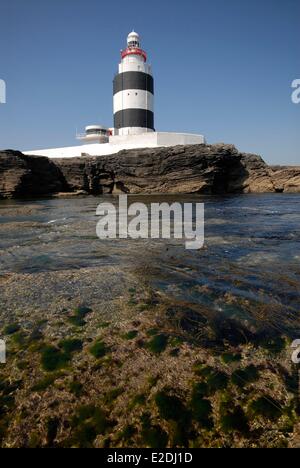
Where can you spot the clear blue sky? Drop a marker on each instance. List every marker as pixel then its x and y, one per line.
pixel 222 67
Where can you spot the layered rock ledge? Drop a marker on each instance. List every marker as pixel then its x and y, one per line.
pixel 207 169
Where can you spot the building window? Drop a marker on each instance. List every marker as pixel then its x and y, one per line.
pixel 96 132
pixel 134 44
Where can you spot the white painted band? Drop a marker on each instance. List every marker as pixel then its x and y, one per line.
pixel 133 99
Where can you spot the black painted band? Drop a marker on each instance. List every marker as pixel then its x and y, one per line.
pixel 134 118
pixel 133 80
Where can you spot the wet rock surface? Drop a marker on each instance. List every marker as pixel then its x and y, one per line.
pixel 140 343
pixel 206 169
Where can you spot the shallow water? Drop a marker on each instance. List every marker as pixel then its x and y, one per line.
pixel 250 264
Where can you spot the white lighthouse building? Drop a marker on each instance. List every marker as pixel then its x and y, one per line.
pixel 133 91
pixel 133 112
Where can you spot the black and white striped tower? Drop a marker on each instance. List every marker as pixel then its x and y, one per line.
pixel 133 91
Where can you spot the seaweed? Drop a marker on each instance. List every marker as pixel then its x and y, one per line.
pixel 88 422
pixel 138 400
pixel 130 335
pixel 19 338
pixel 99 349
pixel 152 332
pixel 215 379
pixel 266 407
pixel 44 383
pixel 229 358
pixel 201 410
pixel 52 428
pixel 112 395
pixel 171 408
pixel 200 390
pixel 78 319
pixel 70 346
pixel 11 329
pixel 158 344
pixel 243 377
pixel 153 436
pixel 76 388
pixel 53 359
pixel 104 325
pixel 128 432
pixel 274 345
pixel 233 420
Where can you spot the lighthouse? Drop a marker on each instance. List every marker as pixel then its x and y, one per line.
pixel 133 109
pixel 133 91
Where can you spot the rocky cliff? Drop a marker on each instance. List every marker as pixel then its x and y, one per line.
pixel 286 179
pixel 208 169
pixel 27 176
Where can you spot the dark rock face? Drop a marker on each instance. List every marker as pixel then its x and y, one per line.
pixel 250 175
pixel 27 176
pixel 183 169
pixel 208 169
